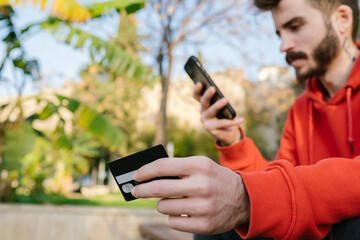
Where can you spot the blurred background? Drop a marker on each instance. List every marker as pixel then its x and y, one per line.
pixel 86 82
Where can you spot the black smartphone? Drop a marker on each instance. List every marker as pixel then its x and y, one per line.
pixel 197 73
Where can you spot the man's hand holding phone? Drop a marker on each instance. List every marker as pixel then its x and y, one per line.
pixel 218 116
pixel 226 131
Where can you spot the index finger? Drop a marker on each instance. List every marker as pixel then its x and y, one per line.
pixel 197 91
pixel 164 167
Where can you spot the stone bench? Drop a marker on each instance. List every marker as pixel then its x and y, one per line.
pixel 163 232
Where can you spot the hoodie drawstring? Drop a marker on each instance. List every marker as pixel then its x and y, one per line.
pixel 350 122
pixel 311 130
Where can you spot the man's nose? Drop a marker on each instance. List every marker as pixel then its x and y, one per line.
pixel 287 43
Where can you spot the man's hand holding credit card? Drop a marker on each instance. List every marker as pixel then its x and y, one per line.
pixel 188 189
pixel 123 169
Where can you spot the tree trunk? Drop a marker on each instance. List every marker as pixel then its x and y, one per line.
pixel 161 120
pixel 165 52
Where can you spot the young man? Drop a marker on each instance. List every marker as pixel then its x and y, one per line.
pixel 314 183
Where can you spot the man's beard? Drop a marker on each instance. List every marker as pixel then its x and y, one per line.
pixel 323 55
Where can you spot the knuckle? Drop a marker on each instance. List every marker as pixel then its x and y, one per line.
pixel 203 117
pixel 203 102
pixel 205 208
pixel 202 163
pixel 207 164
pixel 158 166
pixel 155 189
pixel 207 125
pixel 203 188
pixel 217 105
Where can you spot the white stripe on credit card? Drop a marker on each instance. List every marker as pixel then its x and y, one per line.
pixel 125 177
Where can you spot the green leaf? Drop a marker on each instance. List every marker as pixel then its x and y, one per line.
pixel 80 42
pixel 48 111
pixel 86 145
pixel 62 141
pixel 70 36
pixel 18 143
pixel 92 121
pixel 33 117
pixel 19 63
pixel 71 104
pixel 11 37
pixel 108 134
pixel 2 107
pixel 102 8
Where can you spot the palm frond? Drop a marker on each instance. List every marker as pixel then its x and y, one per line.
pixel 106 53
pixel 90 120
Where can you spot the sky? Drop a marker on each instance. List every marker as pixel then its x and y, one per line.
pixel 59 61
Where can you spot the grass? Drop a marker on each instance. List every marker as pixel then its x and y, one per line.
pixel 112 199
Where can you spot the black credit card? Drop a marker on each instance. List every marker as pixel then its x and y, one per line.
pixel 123 169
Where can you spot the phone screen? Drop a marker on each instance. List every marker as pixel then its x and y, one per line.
pixel 197 73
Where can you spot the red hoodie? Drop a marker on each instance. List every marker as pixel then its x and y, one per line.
pixel 315 180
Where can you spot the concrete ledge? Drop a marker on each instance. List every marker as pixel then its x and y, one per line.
pixel 37 222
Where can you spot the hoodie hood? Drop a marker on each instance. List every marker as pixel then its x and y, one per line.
pixel 314 89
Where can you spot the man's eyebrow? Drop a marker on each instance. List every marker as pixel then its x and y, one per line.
pixel 290 22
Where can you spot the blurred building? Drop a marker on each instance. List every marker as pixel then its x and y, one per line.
pixel 275 77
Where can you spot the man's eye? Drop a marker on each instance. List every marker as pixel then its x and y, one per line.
pixel 295 27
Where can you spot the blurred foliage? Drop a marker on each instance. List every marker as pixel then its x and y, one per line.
pixel 191 142
pixel 266 112
pixel 187 141
pixel 15 53
pixel 35 161
pixel 254 119
pixel 109 54
pixel 116 100
pixel 53 153
pixel 109 92
pixel 16 135
pixel 48 160
pixel 73 11
pixel 19 140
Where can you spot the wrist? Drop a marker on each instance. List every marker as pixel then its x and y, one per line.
pixel 244 204
pixel 238 137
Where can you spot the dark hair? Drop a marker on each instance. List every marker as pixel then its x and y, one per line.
pixel 327 7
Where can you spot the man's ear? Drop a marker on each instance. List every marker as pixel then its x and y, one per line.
pixel 344 19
